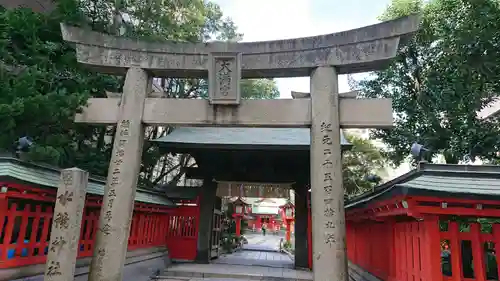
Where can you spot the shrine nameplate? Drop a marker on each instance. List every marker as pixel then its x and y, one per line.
pixel 224 75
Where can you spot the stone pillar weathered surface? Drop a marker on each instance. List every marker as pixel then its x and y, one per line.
pixel 327 193
pixel 66 224
pixel 207 203
pixel 118 203
pixel 301 251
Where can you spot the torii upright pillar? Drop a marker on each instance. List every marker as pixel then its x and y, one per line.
pixel 327 193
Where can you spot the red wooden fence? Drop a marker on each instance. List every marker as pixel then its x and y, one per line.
pixel 26 215
pixel 413 239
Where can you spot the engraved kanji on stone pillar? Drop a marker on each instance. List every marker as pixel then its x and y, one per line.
pixel 327 192
pixel 224 75
pixel 66 223
pixel 111 241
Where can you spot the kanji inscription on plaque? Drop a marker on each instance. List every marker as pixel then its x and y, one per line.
pixel 224 77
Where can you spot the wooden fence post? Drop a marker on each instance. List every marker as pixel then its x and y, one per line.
pixel 432 249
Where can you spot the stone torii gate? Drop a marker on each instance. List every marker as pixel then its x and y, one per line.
pixel 325 112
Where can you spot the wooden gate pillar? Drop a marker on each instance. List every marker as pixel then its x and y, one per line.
pixel 301 228
pixel 207 203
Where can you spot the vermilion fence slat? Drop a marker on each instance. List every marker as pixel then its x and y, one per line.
pixel 456 252
pixel 478 252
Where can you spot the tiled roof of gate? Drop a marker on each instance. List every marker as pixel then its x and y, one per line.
pixel 460 180
pixel 49 177
pixel 231 136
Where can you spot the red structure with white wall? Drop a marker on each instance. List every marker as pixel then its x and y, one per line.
pixel 271 221
pixel 266 213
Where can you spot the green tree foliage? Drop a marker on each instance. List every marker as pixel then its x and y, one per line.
pixel 42 86
pixel 440 80
pixel 359 163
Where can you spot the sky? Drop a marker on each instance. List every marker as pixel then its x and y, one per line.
pixel 261 20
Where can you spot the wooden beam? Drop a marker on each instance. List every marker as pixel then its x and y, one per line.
pixel 244 189
pixel 354 113
pixel 195 173
pixel 281 177
pixel 182 192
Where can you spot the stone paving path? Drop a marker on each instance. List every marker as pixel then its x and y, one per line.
pixel 256 258
pixel 259 242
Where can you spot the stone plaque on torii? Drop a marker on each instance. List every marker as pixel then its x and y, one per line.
pixel 224 63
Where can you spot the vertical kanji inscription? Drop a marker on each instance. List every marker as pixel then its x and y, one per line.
pixel 224 78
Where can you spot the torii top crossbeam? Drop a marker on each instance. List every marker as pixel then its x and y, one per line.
pixel 364 49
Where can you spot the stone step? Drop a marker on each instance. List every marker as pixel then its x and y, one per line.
pixel 233 272
pixel 238 273
pixel 192 276
pixel 158 278
pixel 358 274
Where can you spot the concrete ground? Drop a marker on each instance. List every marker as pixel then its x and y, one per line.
pixel 256 258
pixel 259 242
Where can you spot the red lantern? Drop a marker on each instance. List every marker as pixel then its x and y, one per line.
pixel 289 210
pixel 240 209
pixel 289 216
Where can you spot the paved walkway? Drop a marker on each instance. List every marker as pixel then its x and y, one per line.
pixel 259 242
pixel 256 258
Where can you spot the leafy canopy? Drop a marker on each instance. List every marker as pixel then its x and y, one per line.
pixel 440 80
pixel 360 163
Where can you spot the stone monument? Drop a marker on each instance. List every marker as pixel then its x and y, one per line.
pixel 66 224
pixel 322 58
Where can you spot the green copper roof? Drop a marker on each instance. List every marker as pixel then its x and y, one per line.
pixel 465 185
pixel 459 180
pixel 291 138
pixel 49 177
